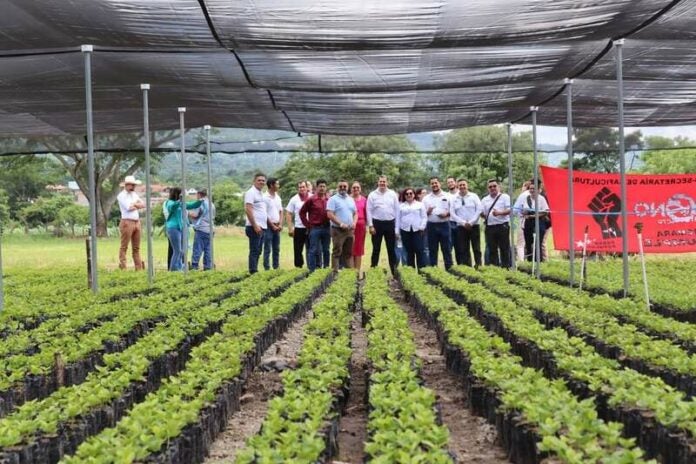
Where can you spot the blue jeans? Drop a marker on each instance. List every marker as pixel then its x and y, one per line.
pixel 255 244
pixel 319 241
pixel 201 246
pixel 271 241
pixel 175 237
pixel 439 235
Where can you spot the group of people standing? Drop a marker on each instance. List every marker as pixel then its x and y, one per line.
pixel 313 219
pixel 177 213
pixel 425 223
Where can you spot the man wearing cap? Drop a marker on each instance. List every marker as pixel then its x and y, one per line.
pixel 129 203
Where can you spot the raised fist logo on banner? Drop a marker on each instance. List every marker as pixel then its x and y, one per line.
pixel 607 208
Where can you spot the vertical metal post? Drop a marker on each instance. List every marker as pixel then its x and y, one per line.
pixel 2 286
pixel 87 52
pixel 571 200
pixel 211 211
pixel 618 45
pixel 184 218
pixel 511 192
pixel 148 184
pixel 537 242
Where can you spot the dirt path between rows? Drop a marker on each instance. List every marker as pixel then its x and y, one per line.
pixel 472 438
pixel 263 384
pixel 352 429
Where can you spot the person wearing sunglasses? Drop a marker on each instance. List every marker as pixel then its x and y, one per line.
pixel 410 226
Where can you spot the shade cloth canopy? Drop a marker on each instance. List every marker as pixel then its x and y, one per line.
pixel 348 67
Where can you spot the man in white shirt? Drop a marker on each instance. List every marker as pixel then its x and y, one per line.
pixel 382 209
pixel 529 205
pixel 496 215
pixel 454 229
pixel 438 206
pixel 129 227
pixel 296 229
pixel 271 237
pixel 466 213
pixel 256 219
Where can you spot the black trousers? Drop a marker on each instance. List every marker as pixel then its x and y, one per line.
pixel 529 238
pixel 468 240
pixel 384 229
pixel 414 244
pixel 300 244
pixel 498 243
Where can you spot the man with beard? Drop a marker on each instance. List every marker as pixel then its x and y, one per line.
pixel 438 205
pixel 342 213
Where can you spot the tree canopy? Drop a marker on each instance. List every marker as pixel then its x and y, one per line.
pixel 597 149
pixel 484 156
pixel 665 155
pixel 361 159
pixel 24 179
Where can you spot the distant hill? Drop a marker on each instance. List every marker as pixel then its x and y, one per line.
pixel 423 140
pixel 241 165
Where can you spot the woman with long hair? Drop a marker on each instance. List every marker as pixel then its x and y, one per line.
pixel 175 227
pixel 360 226
pixel 410 224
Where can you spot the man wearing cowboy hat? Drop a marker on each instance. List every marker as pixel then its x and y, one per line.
pixel 129 202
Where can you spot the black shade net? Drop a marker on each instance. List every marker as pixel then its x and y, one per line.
pixel 348 67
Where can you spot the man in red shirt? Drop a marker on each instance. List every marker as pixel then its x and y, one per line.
pixel 314 218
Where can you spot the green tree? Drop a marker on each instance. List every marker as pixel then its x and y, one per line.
pixel 597 149
pixel 110 167
pixel 359 158
pixel 44 211
pixel 4 210
pixel 24 179
pixel 73 215
pixel 484 155
pixel 664 155
pixel 227 198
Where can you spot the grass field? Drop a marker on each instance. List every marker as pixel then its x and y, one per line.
pixel 43 251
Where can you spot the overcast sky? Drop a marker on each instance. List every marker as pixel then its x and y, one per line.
pixel 558 135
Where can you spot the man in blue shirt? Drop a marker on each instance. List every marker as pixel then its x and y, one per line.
pixel 343 215
pixel 202 219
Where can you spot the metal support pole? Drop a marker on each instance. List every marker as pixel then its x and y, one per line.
pixel 618 45
pixel 148 184
pixel 211 211
pixel 87 52
pixel 537 242
pixel 184 219
pixel 2 286
pixel 511 192
pixel 571 200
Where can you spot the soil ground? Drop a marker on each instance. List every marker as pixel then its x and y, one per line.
pixel 472 438
pixel 260 388
pixel 353 425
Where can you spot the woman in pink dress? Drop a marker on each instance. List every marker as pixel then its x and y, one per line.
pixel 360 229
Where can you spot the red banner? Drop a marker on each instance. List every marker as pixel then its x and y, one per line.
pixel 664 204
